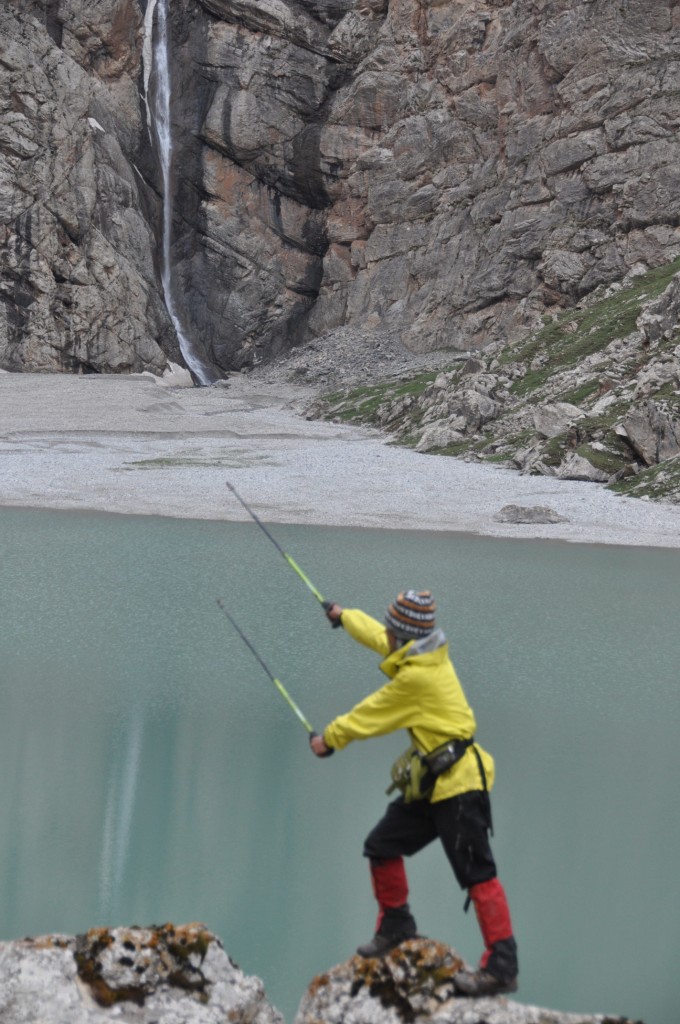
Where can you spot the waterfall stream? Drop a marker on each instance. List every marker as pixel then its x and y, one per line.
pixel 157 59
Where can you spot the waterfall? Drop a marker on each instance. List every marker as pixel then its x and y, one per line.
pixel 157 59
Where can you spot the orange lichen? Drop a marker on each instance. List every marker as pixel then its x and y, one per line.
pixel 415 970
pixel 170 953
pixel 320 981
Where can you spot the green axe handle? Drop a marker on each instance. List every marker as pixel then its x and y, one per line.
pixel 277 682
pixel 291 561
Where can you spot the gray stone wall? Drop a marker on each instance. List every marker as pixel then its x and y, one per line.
pixel 78 276
pixel 442 173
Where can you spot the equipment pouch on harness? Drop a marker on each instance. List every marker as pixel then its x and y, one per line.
pixel 446 755
pixel 415 774
pixel 411 775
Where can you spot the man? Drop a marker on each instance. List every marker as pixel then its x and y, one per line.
pixel 425 697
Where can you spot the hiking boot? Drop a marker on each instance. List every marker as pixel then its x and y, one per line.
pixel 379 945
pixel 482 983
pixel 396 925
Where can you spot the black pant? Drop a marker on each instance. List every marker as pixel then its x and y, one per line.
pixel 461 822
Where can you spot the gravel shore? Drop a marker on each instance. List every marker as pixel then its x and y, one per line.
pixel 137 445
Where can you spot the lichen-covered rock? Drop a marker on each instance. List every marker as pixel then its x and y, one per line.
pixel 156 975
pixel 414 985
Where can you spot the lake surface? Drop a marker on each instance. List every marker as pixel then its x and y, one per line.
pixel 151 772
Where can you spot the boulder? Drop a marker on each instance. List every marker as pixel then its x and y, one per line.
pixel 172 974
pixel 148 975
pixel 659 372
pixel 531 514
pixel 439 435
pixel 474 407
pixel 555 418
pixel 652 432
pixel 531 460
pixel 577 467
pixel 660 318
pixel 414 983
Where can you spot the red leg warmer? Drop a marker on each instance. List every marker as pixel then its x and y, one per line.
pixel 493 914
pixel 390 887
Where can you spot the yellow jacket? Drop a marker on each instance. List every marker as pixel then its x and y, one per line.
pixel 423 695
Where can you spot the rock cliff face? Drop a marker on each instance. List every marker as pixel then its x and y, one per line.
pixel 442 172
pixel 78 280
pixel 438 173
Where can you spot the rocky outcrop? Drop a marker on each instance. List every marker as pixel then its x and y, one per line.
pixel 170 974
pixel 145 975
pixel 413 985
pixel 78 281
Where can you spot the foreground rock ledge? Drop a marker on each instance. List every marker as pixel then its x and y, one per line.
pixel 166 975
pixel 414 983
pixel 182 975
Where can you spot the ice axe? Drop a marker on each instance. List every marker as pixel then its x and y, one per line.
pixel 291 561
pixel 277 682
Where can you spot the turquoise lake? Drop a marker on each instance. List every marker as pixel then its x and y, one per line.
pixel 151 772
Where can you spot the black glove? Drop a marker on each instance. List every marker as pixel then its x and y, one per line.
pixel 327 605
pixel 331 750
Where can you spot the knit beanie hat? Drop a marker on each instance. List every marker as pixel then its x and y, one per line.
pixel 411 615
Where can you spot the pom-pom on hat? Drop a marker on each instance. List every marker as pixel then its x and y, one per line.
pixel 411 615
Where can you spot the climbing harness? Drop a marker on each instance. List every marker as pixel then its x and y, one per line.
pixel 415 773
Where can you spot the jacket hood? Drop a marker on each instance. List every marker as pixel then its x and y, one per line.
pixel 435 644
pixel 427 644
